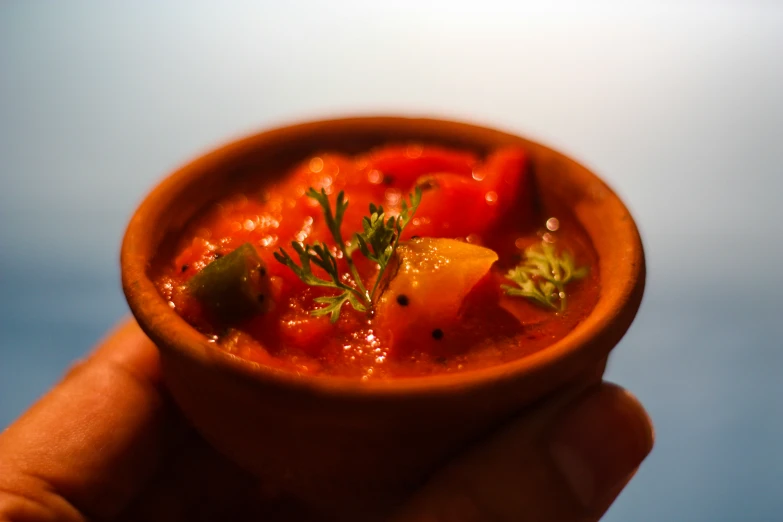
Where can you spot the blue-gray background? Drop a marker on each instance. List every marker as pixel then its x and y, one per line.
pixel 678 105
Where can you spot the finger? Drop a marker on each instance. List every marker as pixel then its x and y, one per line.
pixel 562 462
pixel 85 449
pixel 199 484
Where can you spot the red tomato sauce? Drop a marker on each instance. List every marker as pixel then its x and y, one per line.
pixel 488 201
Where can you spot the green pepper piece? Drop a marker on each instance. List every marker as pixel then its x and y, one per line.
pixel 233 287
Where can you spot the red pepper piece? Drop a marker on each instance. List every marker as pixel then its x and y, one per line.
pixel 505 177
pixel 406 163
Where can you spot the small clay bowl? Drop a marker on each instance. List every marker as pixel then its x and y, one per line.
pixel 347 448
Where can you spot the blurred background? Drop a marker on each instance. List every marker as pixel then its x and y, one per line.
pixel 679 105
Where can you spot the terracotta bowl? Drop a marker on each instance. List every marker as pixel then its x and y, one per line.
pixel 345 447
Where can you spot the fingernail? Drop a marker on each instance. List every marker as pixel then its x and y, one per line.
pixel 599 441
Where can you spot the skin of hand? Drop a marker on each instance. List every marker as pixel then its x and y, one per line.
pixel 107 443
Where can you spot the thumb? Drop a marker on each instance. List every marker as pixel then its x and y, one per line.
pixel 560 462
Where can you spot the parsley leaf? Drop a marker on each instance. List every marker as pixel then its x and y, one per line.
pixel 377 242
pixel 380 237
pixel 543 275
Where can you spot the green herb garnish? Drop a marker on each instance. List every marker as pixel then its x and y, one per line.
pixel 377 242
pixel 543 275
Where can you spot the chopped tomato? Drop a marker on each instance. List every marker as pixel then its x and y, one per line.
pixel 304 332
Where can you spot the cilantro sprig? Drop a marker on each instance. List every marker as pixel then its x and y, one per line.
pixel 377 242
pixel 380 237
pixel 543 275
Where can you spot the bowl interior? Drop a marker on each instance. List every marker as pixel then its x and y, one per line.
pixel 156 225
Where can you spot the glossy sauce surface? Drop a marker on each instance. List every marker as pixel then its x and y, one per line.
pixel 488 201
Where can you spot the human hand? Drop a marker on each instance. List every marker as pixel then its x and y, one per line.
pixel 107 444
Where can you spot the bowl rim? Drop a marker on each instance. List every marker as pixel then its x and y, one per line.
pixel 169 331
